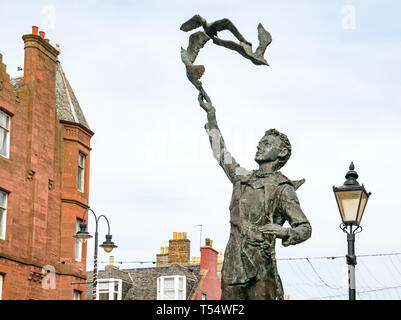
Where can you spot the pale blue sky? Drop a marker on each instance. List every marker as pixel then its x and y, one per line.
pixel 334 91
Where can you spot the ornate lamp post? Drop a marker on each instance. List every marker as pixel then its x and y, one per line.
pixel 351 200
pixel 108 245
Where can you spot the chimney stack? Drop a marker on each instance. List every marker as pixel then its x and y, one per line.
pixel 208 256
pixel 179 249
pixel 208 242
pixel 111 264
pixel 162 257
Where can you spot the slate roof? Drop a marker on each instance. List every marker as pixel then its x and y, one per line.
pixel 68 108
pixel 143 281
pixel 112 273
pixel 67 105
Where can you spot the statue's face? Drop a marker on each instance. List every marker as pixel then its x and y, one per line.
pixel 269 149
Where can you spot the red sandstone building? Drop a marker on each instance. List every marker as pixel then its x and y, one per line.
pixel 44 179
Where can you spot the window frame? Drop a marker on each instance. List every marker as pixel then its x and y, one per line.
pixel 177 289
pixel 111 290
pixel 3 218
pixel 1 285
pixel 81 172
pixel 8 132
pixel 76 294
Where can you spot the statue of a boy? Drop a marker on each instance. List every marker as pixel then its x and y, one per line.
pixel 262 201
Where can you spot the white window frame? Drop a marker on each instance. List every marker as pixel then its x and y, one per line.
pixel 81 172
pixel 78 243
pixel 203 295
pixel 1 285
pixel 160 287
pixel 76 295
pixel 3 217
pixel 7 130
pixel 110 290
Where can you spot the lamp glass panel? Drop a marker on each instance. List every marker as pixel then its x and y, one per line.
pixel 107 248
pixel 364 200
pixel 348 202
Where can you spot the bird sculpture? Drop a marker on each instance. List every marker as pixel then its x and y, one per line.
pixel 200 38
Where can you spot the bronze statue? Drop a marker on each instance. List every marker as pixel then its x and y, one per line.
pixel 263 199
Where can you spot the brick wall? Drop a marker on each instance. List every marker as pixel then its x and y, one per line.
pixel 39 176
pixel 210 283
pixel 179 251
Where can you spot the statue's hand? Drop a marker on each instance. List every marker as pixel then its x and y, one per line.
pixel 205 103
pixel 275 229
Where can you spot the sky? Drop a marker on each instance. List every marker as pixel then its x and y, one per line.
pixel 332 87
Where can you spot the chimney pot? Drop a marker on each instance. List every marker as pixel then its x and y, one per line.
pixel 42 34
pixel 35 30
pixel 179 236
pixel 184 235
pixel 161 250
pixel 166 250
pixel 175 236
pixel 47 40
pixel 111 260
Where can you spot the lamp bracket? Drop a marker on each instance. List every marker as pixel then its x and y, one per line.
pixel 344 227
pixel 351 259
pixel 357 230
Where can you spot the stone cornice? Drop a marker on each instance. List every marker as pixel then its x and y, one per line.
pixel 39 265
pixel 37 42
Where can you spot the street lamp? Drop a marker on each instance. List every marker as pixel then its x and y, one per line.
pixel 351 201
pixel 83 235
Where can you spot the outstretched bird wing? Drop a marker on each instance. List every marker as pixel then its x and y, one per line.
pixel 264 40
pixel 196 42
pixel 243 49
pixel 193 23
pixel 194 72
pixel 225 24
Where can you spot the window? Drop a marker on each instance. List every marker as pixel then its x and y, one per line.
pixel 4 134
pixel 109 289
pixel 78 243
pixel 171 288
pixel 1 284
pixel 203 296
pixel 3 214
pixel 81 172
pixel 76 295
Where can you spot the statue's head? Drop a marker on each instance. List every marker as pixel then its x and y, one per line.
pixel 273 147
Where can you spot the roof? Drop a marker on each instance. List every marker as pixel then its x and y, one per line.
pixel 67 105
pixel 68 108
pixel 143 281
pixel 16 83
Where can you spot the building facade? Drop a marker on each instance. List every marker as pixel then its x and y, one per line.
pixel 173 277
pixel 44 178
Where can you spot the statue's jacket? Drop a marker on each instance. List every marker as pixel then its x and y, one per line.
pixel 257 199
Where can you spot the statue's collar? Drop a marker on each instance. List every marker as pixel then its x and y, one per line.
pixel 260 174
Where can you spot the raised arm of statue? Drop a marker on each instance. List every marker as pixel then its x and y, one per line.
pixel 221 154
